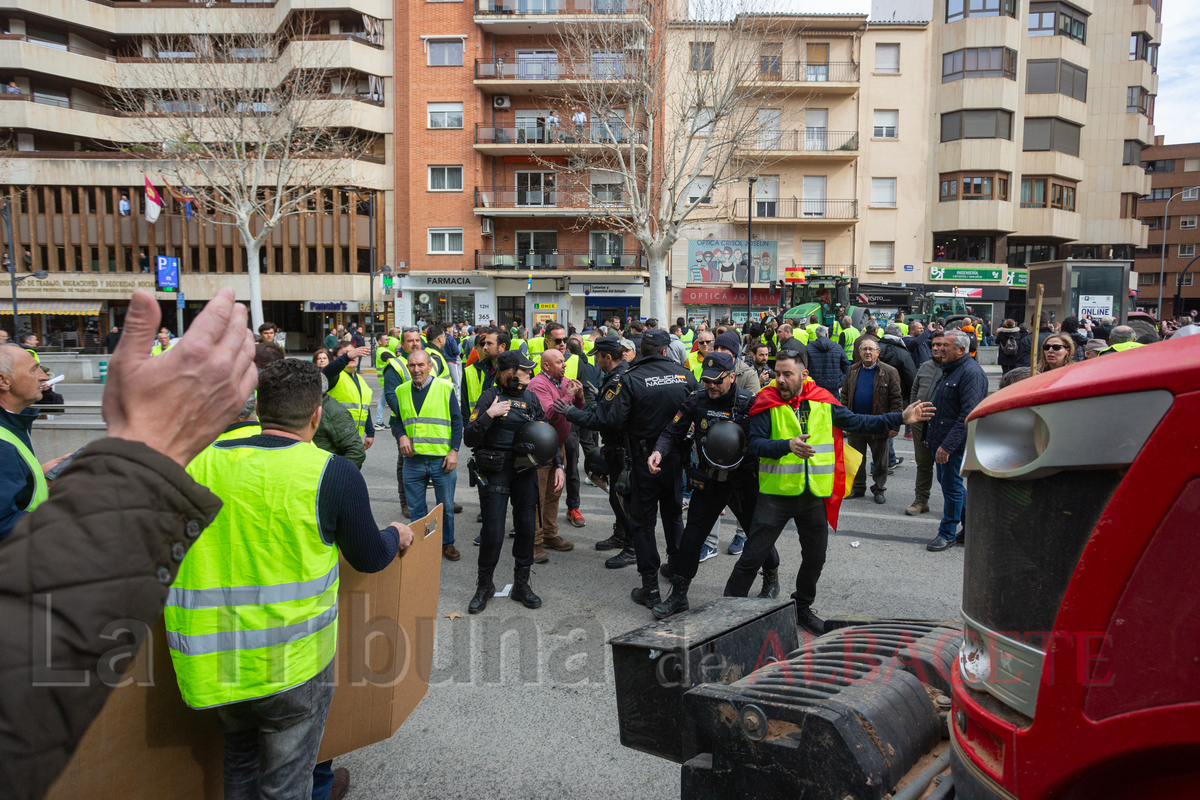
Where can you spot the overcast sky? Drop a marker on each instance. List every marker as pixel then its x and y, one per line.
pixel 1177 110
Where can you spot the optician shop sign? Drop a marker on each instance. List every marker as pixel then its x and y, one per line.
pixel 727 296
pixel 966 274
pixel 606 289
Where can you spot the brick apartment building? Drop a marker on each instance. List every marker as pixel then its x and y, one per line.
pixel 1174 173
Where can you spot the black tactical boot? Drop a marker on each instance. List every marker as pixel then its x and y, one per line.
pixel 622 559
pixel 770 587
pixel 484 590
pixel 647 595
pixel 677 601
pixel 614 542
pixel 522 592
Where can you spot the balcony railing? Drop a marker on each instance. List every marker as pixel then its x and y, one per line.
pixel 798 208
pixel 624 7
pixel 769 69
pixel 549 68
pixel 599 199
pixel 167 107
pixel 560 259
pixel 62 102
pixel 814 139
pixel 534 133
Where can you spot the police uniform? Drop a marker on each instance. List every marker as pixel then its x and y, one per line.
pixel 713 488
pixel 493 462
pixel 642 404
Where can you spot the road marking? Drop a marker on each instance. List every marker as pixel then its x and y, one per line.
pixel 890 518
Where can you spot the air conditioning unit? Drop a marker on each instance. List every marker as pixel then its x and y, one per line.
pixel 501 101
pixel 487 226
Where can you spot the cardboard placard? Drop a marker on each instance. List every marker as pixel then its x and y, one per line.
pixel 148 743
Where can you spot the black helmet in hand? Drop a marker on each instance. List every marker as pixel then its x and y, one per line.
pixel 535 445
pixel 593 462
pixel 724 445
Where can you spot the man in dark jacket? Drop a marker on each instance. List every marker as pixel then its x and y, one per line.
pixel 893 353
pixel 1026 343
pixel 962 387
pixel 338 432
pixel 919 342
pixel 871 388
pixel 827 362
pixel 112 340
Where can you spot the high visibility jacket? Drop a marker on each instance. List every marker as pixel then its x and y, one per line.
pixel 847 342
pixel 240 432
pixel 253 610
pixel 1116 348
pixel 535 346
pixel 686 338
pixel 33 353
pixel 694 362
pixel 571 366
pixel 400 364
pixel 157 350
pixel 40 488
pixel 515 344
pixel 354 396
pixel 791 475
pixel 473 378
pixel 438 361
pixel 429 432
pixel 379 362
pixel 903 328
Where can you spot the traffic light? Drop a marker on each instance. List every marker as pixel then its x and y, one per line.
pixel 387 284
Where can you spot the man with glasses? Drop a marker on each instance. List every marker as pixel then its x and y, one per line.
pixel 479 376
pixel 704 346
pixel 872 388
pixel 556 339
pixel 396 372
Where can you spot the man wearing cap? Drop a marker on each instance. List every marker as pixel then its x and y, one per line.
pixel 713 487
pixel 643 402
pixel 744 376
pixel 479 376
pixel 609 360
pixel 550 385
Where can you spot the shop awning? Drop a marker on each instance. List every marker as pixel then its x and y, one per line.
pixel 83 308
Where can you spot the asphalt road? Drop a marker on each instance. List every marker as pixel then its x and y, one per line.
pixel 508 717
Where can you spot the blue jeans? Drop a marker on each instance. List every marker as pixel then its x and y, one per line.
pixel 954 493
pixel 322 780
pixel 382 409
pixel 418 470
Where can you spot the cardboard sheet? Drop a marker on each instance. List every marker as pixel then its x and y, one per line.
pixel 147 743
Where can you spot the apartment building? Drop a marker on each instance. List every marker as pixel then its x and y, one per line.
pixel 1174 176
pixel 500 213
pixel 70 170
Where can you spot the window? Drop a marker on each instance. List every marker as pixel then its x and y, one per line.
pixel 958 9
pixel 1062 197
pixel 1187 250
pixel 883 192
pixel 1047 193
pixel 886 124
pixel 1161 166
pixel 887 59
pixel 1058 19
pixel 883 256
pixel 702 56
pixel 975 186
pixel 1154 223
pixel 949 190
pixel 770 61
pixel 1160 194
pixel 445 241
pixel 1187 279
pixel 979 62
pixel 445 115
pixel 445 52
pixel 1056 76
pixel 1187 222
pixel 1139 101
pixel 445 179
pixel 1142 48
pixel 701 189
pixel 1191 165
pixel 1191 193
pixel 701 121
pixel 958 247
pixel 1145 278
pixel 1132 155
pixel 991 123
pixel 1050 133
pixel 607 186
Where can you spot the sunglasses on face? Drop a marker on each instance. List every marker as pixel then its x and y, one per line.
pixel 558 341
pixel 1046 347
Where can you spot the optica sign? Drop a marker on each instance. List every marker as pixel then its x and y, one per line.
pixel 727 296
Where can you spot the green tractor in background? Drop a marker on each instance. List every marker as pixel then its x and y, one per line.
pixel 831 297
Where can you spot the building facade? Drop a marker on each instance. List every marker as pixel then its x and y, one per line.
pixel 1175 176
pixel 70 171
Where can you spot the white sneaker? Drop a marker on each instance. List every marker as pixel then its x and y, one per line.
pixel 707 552
pixel 588 481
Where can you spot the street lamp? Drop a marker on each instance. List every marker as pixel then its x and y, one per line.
pixel 1162 260
pixel 749 249
pixel 12 263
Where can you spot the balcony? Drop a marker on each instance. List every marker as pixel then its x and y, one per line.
pixel 535 138
pixel 817 143
pixel 794 210
pixel 630 260
pixel 771 75
pixel 518 16
pixel 546 74
pixel 549 203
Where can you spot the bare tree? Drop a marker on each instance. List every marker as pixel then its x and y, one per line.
pixel 247 116
pixel 672 110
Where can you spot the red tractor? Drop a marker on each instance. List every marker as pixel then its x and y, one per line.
pixel 1074 672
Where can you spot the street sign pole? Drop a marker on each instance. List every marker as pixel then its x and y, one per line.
pixel 179 312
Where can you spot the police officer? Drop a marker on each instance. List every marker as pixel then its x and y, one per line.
pixel 642 404
pixel 612 366
pixel 713 487
pixel 497 420
pixel 479 377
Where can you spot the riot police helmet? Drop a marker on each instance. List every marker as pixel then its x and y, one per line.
pixel 535 445
pixel 724 445
pixel 593 462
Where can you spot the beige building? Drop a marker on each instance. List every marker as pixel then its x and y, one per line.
pixel 70 172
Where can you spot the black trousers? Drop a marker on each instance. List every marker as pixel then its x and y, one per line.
pixel 614 462
pixel 771 513
pixel 521 489
pixel 879 458
pixel 572 466
pixel 655 495
pixel 709 499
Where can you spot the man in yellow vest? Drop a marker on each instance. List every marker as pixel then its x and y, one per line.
pixel 846 337
pixel 429 436
pixel 162 343
pixel 395 373
pixel 252 634
pixel 687 335
pixel 23 484
pixel 796 434
pixel 351 389
pixel 704 346
pixel 1121 338
pixel 384 344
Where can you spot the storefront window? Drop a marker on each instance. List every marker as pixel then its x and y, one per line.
pixel 954 247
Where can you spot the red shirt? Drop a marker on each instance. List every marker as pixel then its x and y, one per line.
pixel 547 392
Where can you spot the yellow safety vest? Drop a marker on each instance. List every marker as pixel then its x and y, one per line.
pixel 694 362
pixel 536 346
pixel 852 334
pixel 791 475
pixel 40 489
pixel 474 380
pixel 571 365
pixel 253 610
pixel 240 432
pixel 429 432
pixel 1116 348
pixel 354 396
pixel 687 338
pixel 33 353
pixel 157 350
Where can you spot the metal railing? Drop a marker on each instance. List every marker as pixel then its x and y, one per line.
pixel 535 132
pixel 193 107
pixel 811 139
pixel 536 7
pixel 62 102
pixel 797 208
pixel 560 259
pixel 550 199
pixel 550 68
pixel 769 69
